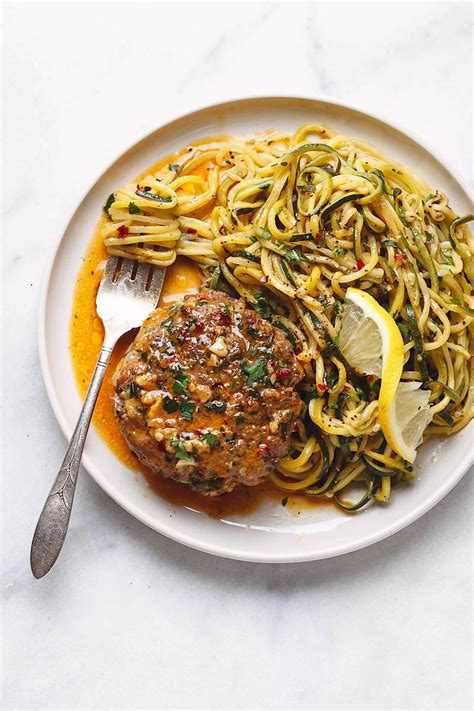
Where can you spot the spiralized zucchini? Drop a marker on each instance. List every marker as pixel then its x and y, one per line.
pixel 289 222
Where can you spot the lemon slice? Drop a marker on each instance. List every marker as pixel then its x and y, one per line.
pixel 369 339
pixel 408 416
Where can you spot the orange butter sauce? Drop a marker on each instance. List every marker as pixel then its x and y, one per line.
pixel 86 336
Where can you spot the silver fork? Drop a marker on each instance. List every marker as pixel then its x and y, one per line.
pixel 128 293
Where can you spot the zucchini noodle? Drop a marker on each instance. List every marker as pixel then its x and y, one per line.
pixel 290 221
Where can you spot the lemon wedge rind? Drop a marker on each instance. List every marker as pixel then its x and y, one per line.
pixel 391 371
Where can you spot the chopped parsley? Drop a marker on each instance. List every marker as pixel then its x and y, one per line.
pixel 262 307
pixel 181 452
pixel 254 371
pixel 133 387
pixel 292 255
pixel 360 393
pixel 187 410
pixel 170 405
pixel 216 406
pixel 287 333
pixel 134 209
pixel 144 355
pixel 340 251
pixel 109 202
pixel 284 501
pixel 174 166
pixel 266 304
pixel 211 439
pixel 267 234
pixel 180 385
pixel 167 322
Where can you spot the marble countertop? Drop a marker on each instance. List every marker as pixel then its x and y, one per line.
pixel 129 619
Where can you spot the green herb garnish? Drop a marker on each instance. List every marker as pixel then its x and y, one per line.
pixel 167 322
pixel 187 410
pixel 174 166
pixel 134 209
pixel 170 405
pixel 109 202
pixel 284 501
pixel 180 385
pixel 216 406
pixel 133 387
pixel 181 452
pixel 211 439
pixel 254 371
pixel 292 255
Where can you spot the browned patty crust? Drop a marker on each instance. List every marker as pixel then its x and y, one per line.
pixel 206 393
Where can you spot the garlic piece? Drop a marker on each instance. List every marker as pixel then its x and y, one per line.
pixel 219 347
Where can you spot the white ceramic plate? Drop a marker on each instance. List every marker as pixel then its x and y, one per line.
pixel 273 533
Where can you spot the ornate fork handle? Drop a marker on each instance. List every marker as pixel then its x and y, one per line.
pixel 53 522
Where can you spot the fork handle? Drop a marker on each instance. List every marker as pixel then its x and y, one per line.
pixel 53 522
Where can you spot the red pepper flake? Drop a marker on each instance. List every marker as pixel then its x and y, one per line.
pixel 139 187
pixel 360 264
pixel 400 257
pixel 122 231
pixel 346 388
pixel 191 231
pixel 263 279
pixel 322 388
pixel 322 131
pixel 371 378
pixel 224 318
pixel 282 373
pixel 197 432
pixel 317 237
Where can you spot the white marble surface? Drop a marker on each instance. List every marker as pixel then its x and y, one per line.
pixel 128 619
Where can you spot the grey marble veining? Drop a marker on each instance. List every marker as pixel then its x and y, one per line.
pixel 129 619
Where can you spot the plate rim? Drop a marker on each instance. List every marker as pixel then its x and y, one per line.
pixel 217 548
